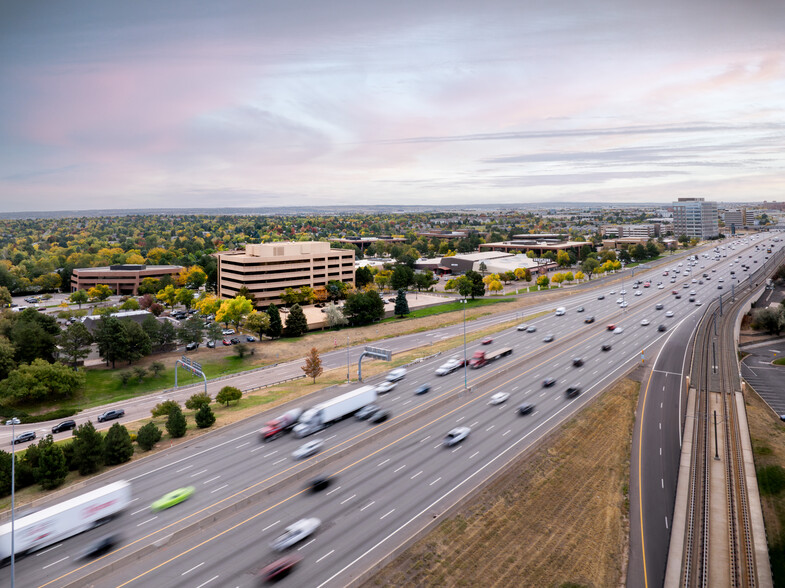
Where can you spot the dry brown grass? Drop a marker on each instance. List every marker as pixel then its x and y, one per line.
pixel 558 516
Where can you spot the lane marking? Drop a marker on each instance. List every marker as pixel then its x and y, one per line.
pixel 436 480
pixel 147 521
pixel 333 490
pixel 208 581
pixel 183 469
pixel 382 463
pixel 306 545
pixel 415 475
pixel 192 569
pixel 243 444
pixel 387 514
pixel 211 480
pixel 198 473
pixel 368 505
pixel 399 469
pixel 348 499
pixel 325 555
pixel 270 526
pixel 54 562
pixel 219 488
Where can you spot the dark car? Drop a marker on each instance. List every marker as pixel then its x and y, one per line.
pixel 692 299
pixel 662 328
pixel 606 347
pixel 423 389
pixel 719 286
pixel 577 361
pixel 366 412
pixel 235 340
pixel 659 306
pixel 111 415
pixel 580 309
pixel 319 483
pixel 379 416
pixel 526 408
pixel 572 392
pixel 678 296
pixel 23 437
pixel 279 568
pixel 588 319
pixel 601 297
pixel 250 338
pixel 548 382
pixel 102 546
pixel 191 346
pixel 64 426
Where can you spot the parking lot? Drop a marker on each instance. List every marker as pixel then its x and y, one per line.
pixel 764 377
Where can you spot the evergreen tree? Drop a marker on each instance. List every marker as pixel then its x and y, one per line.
pixel 147 436
pixel 175 423
pixel 112 340
pixel 118 447
pixel 75 343
pixel 205 417
pixel 137 342
pixel 296 323
pixel 52 468
pixel 401 304
pixel 88 449
pixel 276 326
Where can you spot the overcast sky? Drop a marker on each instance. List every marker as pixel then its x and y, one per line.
pixel 137 104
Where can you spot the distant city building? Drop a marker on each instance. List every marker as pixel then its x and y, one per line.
pixel 123 279
pixel 539 243
pixel 643 230
pixel 495 262
pixel 137 316
pixel 267 269
pixel 363 242
pixel 739 218
pixel 695 218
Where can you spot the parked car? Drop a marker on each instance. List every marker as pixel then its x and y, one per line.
pixel 234 340
pixel 211 344
pixel 227 342
pixel 250 338
pixel 64 426
pixel 191 346
pixel 227 332
pixel 111 415
pixel 23 437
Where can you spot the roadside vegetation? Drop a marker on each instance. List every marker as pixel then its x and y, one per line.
pixel 556 517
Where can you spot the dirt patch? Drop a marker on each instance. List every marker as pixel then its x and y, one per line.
pixel 558 516
pixel 767 433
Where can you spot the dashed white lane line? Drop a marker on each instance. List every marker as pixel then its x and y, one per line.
pixel 348 499
pixel 386 514
pixel 437 446
pixel 45 551
pixel 405 403
pixel 183 469
pixel 283 459
pixel 456 449
pixel 333 490
pixel 219 488
pixel 306 545
pixel 394 399
pixel 54 562
pixel 271 525
pixel 436 480
pixel 211 480
pixel 473 454
pixel 257 448
pixel 384 462
pixel 423 440
pixel 147 521
pixel 368 505
pixel 208 581
pixel 140 510
pixel 399 469
pixel 270 454
pixel 415 475
pixel 489 428
pixel 243 445
pixel 507 432
pixel 460 419
pixel 474 423
pixel 325 555
pixel 198 473
pixel 331 437
pixel 543 394
pixel 192 569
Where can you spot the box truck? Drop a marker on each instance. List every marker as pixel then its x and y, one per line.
pixel 326 413
pixel 50 525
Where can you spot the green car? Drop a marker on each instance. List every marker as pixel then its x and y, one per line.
pixel 174 497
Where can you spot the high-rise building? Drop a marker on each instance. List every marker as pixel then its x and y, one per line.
pixel 695 218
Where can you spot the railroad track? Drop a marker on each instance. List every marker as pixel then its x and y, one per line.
pixel 719 545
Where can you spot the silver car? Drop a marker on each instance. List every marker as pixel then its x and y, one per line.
pixel 308 449
pixel 295 533
pixel 457 435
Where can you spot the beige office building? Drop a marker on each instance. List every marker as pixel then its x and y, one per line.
pixel 267 269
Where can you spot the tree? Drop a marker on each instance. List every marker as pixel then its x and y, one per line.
pixel 589 266
pixel 118 447
pixel 402 277
pixel 139 373
pixel 79 297
pixel 471 284
pixel 52 469
pixel 194 278
pixel 543 281
pixel 558 278
pixel 483 268
pixel 363 276
pixel 99 292
pixel 196 401
pixel 138 344
pixel 233 311
pixel 276 326
pixel 770 319
pixel 40 381
pixel 149 286
pixel 401 304
pixel 335 316
pixel 205 417
pixel 5 297
pixel 579 276
pixel 296 323
pixel 214 332
pixel 164 408
pixel 33 336
pixel 424 280
pixel 157 368
pixel 258 322
pixel 185 297
pixel 192 330
pixel 337 290
pixel 7 362
pixel 167 334
pixel 112 340
pixel 495 286
pixel 245 292
pixel 130 304
pixel 147 436
pixel 638 252
pixel 563 258
pixel 569 278
pixel 313 364
pixel 74 343
pixel 228 394
pixel 88 451
pixel 363 308
pixel 176 424
pixel 167 295
pixel 651 249
pixel 208 304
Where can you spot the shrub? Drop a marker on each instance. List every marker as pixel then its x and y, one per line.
pixel 205 417
pixel 165 408
pixel 139 373
pixel 52 468
pixel 228 394
pixel 124 377
pixel 147 436
pixel 157 368
pixel 117 445
pixel 88 449
pixel 198 400
pixel 176 424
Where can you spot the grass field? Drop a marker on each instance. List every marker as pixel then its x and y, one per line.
pixel 448 307
pixel 557 518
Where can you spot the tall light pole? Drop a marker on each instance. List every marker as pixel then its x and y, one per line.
pixel 13 422
pixel 465 366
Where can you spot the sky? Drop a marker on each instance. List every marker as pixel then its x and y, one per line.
pixel 148 104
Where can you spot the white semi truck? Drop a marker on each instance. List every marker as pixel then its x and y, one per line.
pixel 327 412
pixel 50 525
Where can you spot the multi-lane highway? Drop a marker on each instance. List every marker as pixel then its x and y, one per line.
pixel 391 479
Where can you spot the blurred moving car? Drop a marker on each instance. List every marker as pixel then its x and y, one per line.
pixel 525 408
pixel 295 533
pixel 319 483
pixel 308 449
pixel 456 435
pixel 572 392
pixel 486 341
pixel 498 398
pixel 606 347
pixel 396 375
pixel 366 412
pixel 280 568
pixel 385 387
pixel 449 366
pixel 423 389
pixel 101 547
pixel 172 498
pixel 379 416
pixel 548 338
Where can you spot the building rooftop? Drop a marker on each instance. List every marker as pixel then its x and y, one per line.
pixel 127 268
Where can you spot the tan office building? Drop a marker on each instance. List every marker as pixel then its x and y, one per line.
pixel 123 279
pixel 267 269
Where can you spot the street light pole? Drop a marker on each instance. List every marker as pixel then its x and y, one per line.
pixel 14 421
pixel 465 367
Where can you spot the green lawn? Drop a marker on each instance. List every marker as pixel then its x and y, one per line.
pixel 450 307
pixel 780 361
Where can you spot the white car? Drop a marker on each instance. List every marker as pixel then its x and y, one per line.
pixel 522 327
pixel 227 332
pixel 295 533
pixel 639 293
pixel 618 331
pixel 669 314
pixel 660 286
pixel 308 449
pixel 619 300
pixel 623 304
pixel 623 292
pixel 721 280
pixel 385 387
pixel 612 292
pixel 498 398
pixel 645 322
pixel 457 435
pixel 396 375
pixel 449 367
pixel 698 303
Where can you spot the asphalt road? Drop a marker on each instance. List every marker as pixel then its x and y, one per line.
pixel 765 377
